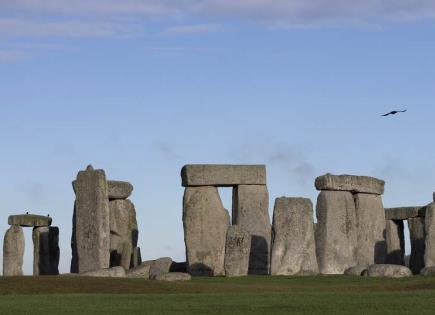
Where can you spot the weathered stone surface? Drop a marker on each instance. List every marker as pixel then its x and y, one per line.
pixel 417 236
pixel 237 249
pixel 160 266
pixel 370 218
pixel 355 184
pixel 29 220
pixel 429 256
pixel 336 232
pixel 404 213
pixel 45 251
pixel 122 218
pixel 205 224
pixel 428 271
pixel 92 224
pixel 356 271
pixel 136 258
pixel 115 272
pixel 141 271
pixel 251 213
pixel 13 251
pixel 173 276
pixel 223 175
pixel 395 242
pixel 294 246
pixel 390 271
pixel 119 189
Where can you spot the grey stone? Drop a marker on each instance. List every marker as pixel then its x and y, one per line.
pixel 404 213
pixel 395 242
pixel 428 271
pixel 417 237
pixel 336 232
pixel 390 271
pixel 136 258
pixel 294 246
pixel 370 218
pixel 29 220
pixel 45 251
pixel 160 266
pixel 355 184
pixel 205 223
pixel 141 271
pixel 356 270
pixel 173 276
pixel 119 189
pixel 251 213
pixel 115 272
pixel 13 251
pixel 223 175
pixel 429 256
pixel 237 249
pixel 92 224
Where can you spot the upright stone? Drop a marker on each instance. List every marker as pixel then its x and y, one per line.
pixel 92 225
pixel 13 251
pixel 237 249
pixel 336 232
pixel 45 251
pixel 370 217
pixel 294 246
pixel 418 246
pixel 251 213
pixel 205 224
pixel 429 256
pixel 395 242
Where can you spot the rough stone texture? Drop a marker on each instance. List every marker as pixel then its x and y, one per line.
pixel 294 246
pixel 223 175
pixel 237 249
pixel 45 251
pixel 395 242
pixel 390 271
pixel 173 276
pixel 74 255
pixel 336 232
pixel 119 190
pixel 141 271
pixel 136 258
pixel 160 266
pixel 115 272
pixel 92 225
pixel 404 213
pixel 251 213
pixel 429 256
pixel 355 184
pixel 418 247
pixel 428 271
pixel 370 218
pixel 13 251
pixel 356 271
pixel 205 224
pixel 29 220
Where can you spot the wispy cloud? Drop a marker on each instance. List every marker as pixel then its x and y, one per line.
pixel 11 55
pixel 192 29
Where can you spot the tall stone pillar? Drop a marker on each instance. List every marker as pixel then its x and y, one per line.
pixel 429 256
pixel 13 251
pixel 45 251
pixel 395 242
pixel 418 246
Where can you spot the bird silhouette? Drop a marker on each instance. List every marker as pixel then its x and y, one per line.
pixel 394 112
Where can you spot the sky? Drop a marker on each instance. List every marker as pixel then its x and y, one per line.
pixel 140 88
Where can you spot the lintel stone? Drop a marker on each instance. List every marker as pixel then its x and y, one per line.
pixel 29 220
pixel 404 213
pixel 355 184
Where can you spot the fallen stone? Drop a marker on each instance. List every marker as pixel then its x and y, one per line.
pixel 390 271
pixel 351 183
pixel 141 271
pixel 356 271
pixel 45 251
pixel 29 220
pixel 13 251
pixel 119 190
pixel 395 242
pixel 404 213
pixel 294 246
pixel 428 271
pixel 251 213
pixel 336 232
pixel 160 266
pixel 417 237
pixel 173 276
pixel 115 272
pixel 237 249
pixel 223 175
pixel 429 256
pixel 205 224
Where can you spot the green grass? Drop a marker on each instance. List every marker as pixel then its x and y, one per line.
pixel 250 295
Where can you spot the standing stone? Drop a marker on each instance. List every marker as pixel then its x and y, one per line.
pixel 45 251
pixel 418 246
pixel 92 225
pixel 395 242
pixel 429 256
pixel 136 258
pixel 370 217
pixel 13 252
pixel 237 249
pixel 294 247
pixel 336 232
pixel 251 213
pixel 205 224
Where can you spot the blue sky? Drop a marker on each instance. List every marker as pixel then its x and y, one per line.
pixel 141 88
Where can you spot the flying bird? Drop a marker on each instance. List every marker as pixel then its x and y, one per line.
pixel 394 112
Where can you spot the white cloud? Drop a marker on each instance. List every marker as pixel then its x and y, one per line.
pixel 192 29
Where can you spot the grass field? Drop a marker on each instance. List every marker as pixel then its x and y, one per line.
pixel 250 295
